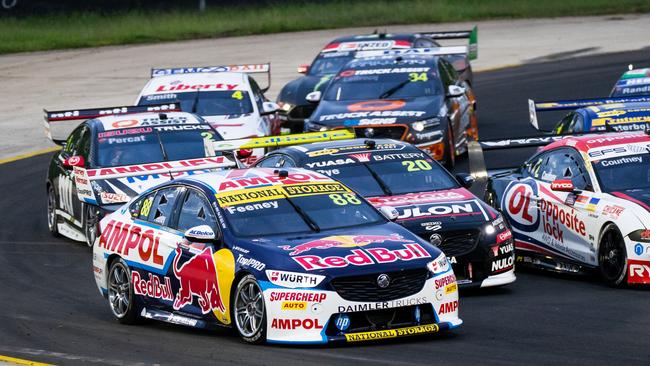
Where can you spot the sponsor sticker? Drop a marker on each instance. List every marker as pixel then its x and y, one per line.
pixel 392 333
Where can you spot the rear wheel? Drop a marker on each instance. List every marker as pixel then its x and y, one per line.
pixel 612 257
pixel 90 223
pixel 52 217
pixel 120 293
pixel 249 311
pixel 450 150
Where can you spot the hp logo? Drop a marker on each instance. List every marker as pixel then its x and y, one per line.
pixel 342 322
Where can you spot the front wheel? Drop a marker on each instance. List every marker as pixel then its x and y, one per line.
pixel 612 256
pixel 90 223
pixel 249 311
pixel 52 217
pixel 120 293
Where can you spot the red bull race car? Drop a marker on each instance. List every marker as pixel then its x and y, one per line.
pixel 283 256
pixel 579 204
pixel 430 202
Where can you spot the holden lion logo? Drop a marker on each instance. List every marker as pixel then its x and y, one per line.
pixel 383 280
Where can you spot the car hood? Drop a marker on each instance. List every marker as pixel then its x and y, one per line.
pixel 639 196
pixel 238 125
pixel 384 111
pixel 351 251
pixel 444 210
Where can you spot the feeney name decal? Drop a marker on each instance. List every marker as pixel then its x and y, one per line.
pixel 392 333
pixel 121 238
pixel 361 257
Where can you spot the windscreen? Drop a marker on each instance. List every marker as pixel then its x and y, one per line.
pixel 623 173
pixel 386 174
pixel 205 103
pixel 152 144
pixel 395 80
pixel 292 208
pixel 330 63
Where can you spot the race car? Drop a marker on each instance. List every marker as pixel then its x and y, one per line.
pixel 580 204
pixel 295 108
pixel 412 95
pixel 283 256
pixel 430 202
pixel 143 143
pixel 634 82
pixel 225 96
pixel 598 114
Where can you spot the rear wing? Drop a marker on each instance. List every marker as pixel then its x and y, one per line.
pixel 84 177
pixel 570 104
pixel 90 113
pixel 472 35
pixel 282 140
pixel 434 51
pixel 264 68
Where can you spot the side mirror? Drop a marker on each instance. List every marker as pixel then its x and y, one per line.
pixel 74 161
pixel 314 97
pixel 455 91
pixel 465 180
pixel 269 107
pixel 200 234
pixel 303 68
pixel 389 212
pixel 562 185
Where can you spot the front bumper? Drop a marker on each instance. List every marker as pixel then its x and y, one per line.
pixel 308 316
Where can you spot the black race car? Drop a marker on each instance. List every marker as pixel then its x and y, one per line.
pixel 414 97
pixel 295 108
pixel 115 154
pixel 430 201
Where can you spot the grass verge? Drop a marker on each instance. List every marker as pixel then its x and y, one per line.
pixel 58 31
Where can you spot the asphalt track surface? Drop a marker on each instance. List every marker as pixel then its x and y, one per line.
pixel 52 311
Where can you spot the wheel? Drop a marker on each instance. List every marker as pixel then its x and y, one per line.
pixel 120 293
pixel 90 223
pixel 612 257
pixel 52 217
pixel 450 151
pixel 250 313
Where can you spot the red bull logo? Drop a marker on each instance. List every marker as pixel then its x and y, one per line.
pixel 198 277
pixel 344 241
pixel 360 257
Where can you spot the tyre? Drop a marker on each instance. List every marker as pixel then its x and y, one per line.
pixel 249 311
pixel 612 256
pixel 90 223
pixel 120 293
pixel 450 151
pixel 52 217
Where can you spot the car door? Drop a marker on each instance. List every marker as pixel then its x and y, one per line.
pixel 565 215
pixel 198 291
pixel 153 278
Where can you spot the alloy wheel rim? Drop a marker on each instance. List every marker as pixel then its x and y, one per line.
pixel 51 207
pixel 610 256
pixel 249 309
pixel 91 226
pixel 119 290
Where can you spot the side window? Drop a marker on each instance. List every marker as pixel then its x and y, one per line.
pixel 141 208
pixel 83 148
pixel 565 164
pixel 277 161
pixel 534 165
pixel 257 93
pixel 162 206
pixel 73 141
pixel 563 126
pixel 577 123
pixel 448 75
pixel 195 211
pixel 424 43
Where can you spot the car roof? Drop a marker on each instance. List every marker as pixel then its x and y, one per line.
pixel 585 143
pixel 209 81
pixel 120 121
pixel 238 179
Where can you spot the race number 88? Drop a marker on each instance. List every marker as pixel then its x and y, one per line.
pixel 344 199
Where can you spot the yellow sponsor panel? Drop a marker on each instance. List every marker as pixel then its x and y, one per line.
pixel 224 262
pixel 617 121
pixel 269 193
pixel 451 288
pixel 611 113
pixel 294 305
pixel 392 333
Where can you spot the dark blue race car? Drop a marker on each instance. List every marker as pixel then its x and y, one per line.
pixel 286 256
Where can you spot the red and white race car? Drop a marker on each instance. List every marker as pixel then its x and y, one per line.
pixel 580 203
